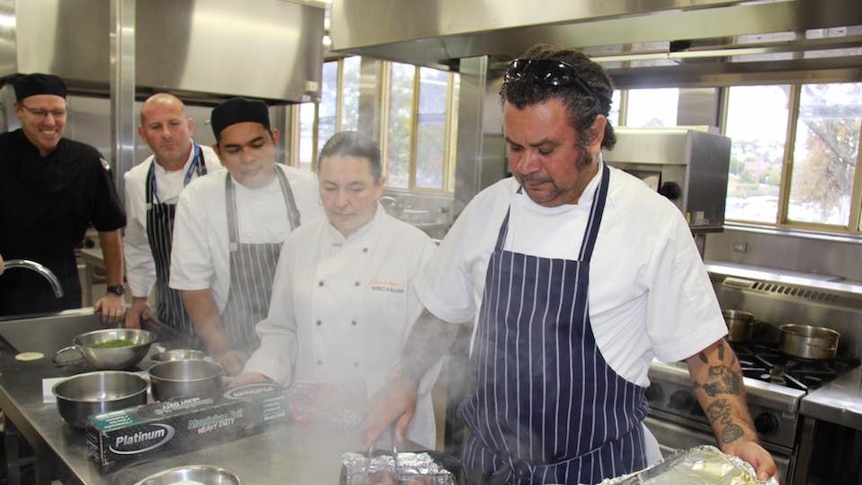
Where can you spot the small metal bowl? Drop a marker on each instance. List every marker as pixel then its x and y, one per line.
pixel 177 354
pixel 84 395
pixel 185 378
pixel 193 474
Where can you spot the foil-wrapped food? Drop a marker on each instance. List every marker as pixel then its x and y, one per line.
pixel 701 465
pixel 412 469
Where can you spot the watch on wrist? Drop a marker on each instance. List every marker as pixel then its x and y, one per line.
pixel 118 290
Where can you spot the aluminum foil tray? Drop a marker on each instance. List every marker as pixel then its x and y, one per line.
pixel 701 465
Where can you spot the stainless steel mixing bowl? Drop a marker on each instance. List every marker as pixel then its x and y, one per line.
pixel 177 354
pixel 84 395
pixel 203 474
pixel 115 358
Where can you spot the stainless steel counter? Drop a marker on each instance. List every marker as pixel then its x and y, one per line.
pixel 285 453
pixel 838 402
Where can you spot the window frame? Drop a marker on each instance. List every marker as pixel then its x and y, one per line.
pixel 853 225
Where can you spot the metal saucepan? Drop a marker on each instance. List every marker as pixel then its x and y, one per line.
pixel 84 395
pixel 183 378
pixel 90 346
pixel 177 354
pixel 739 325
pixel 808 342
pixel 97 348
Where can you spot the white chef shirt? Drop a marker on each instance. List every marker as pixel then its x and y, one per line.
pixel 200 258
pixel 342 309
pixel 649 293
pixel 140 266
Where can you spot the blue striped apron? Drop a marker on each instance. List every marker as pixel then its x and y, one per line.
pixel 545 405
pixel 160 231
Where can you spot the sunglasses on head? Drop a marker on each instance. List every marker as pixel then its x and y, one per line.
pixel 547 72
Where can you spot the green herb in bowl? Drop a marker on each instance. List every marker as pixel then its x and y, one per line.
pixel 112 344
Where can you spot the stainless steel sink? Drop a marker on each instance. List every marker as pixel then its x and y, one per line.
pixel 48 334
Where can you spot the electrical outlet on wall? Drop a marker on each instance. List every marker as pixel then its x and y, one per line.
pixel 740 247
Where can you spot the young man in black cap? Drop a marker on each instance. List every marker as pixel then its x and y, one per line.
pixel 229 228
pixel 51 190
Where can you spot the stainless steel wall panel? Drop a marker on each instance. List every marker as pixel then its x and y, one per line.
pixel 268 49
pixel 481 148
pixel 68 38
pixel 123 114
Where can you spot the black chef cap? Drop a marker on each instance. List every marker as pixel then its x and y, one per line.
pixel 33 84
pixel 238 110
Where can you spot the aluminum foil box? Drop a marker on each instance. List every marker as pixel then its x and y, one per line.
pixel 184 424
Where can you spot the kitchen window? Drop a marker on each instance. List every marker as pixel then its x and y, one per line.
pixel 417 126
pixel 651 107
pixel 338 110
pixel 795 149
pixel 420 126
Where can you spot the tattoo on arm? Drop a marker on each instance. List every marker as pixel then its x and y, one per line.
pixel 721 380
pixel 721 412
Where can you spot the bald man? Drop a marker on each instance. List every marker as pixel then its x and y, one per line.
pixel 152 190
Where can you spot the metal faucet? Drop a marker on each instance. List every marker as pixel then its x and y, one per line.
pixel 42 270
pixel 392 205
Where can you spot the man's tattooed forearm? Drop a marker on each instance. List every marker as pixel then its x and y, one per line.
pixel 721 412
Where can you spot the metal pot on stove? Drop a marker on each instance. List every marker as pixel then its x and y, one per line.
pixel 808 342
pixel 739 325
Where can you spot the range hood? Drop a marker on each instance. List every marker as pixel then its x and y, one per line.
pixel 673 42
pixel 268 49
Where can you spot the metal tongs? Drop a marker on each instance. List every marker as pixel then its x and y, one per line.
pixel 369 453
pixel 394 446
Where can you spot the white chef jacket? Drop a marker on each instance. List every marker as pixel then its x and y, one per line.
pixel 140 266
pixel 649 293
pixel 200 258
pixel 342 308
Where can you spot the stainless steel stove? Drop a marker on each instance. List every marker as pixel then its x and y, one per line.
pixel 678 421
pixel 776 385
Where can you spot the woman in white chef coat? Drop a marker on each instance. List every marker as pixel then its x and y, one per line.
pixel 342 302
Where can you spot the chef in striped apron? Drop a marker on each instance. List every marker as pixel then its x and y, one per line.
pixel 152 190
pixel 576 276
pixel 229 229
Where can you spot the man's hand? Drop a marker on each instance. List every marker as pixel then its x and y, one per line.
pixel 113 307
pixel 232 361
pixel 140 311
pixel 756 456
pixel 396 401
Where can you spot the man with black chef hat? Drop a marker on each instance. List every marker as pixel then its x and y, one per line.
pixel 51 190
pixel 229 229
pixel 152 190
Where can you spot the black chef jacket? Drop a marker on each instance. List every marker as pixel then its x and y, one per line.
pixel 46 206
